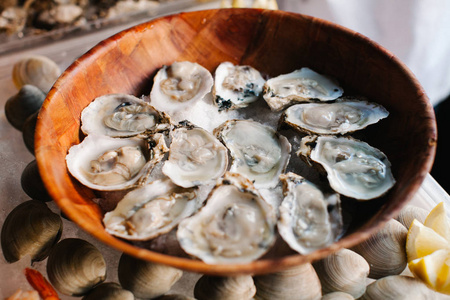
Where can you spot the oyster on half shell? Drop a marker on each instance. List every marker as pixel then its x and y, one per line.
pixel 310 219
pixel 258 151
pixel 304 85
pixel 236 225
pixel 151 210
pixel 196 157
pixel 340 117
pixel 122 115
pixel 354 168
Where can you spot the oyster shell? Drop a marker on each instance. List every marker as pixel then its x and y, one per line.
pixel 343 116
pixel 236 86
pixel 304 85
pixel 236 225
pixel 151 210
pixel 258 151
pixel 179 86
pixel 196 157
pixel 309 219
pixel 354 168
pixel 104 163
pixel 121 115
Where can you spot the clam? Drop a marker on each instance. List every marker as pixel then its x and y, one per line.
pixel 411 212
pixel 146 279
pixel 26 102
pixel 343 271
pixel 398 287
pixel 175 297
pixel 385 250
pixel 32 183
pixel 31 228
pixel 75 266
pixel 109 291
pixel 36 70
pixel 28 129
pixel 298 282
pixel 226 288
pixel 337 296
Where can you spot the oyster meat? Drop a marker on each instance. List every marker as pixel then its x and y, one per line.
pixel 196 157
pixel 304 85
pixel 340 117
pixel 354 168
pixel 121 115
pixel 151 210
pixel 236 86
pixel 258 152
pixel 179 86
pixel 309 218
pixel 104 163
pixel 236 225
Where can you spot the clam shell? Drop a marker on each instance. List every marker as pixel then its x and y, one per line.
pixel 409 213
pixel 31 228
pixel 343 271
pixel 75 266
pixel 146 279
pixel 337 296
pixel 385 250
pixel 37 70
pixel 28 129
pixel 299 282
pixel 32 184
pixel 109 291
pixel 224 288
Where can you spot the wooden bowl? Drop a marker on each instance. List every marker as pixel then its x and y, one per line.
pixel 274 42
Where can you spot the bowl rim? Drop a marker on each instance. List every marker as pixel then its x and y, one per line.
pixel 262 265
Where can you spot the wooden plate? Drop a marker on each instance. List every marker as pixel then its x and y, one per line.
pixel 274 42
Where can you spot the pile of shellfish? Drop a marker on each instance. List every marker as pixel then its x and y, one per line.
pixel 208 159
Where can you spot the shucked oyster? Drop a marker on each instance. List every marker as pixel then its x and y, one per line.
pixel 196 157
pixel 258 152
pixel 104 163
pixel 236 86
pixel 344 115
pixel 121 115
pixel 302 85
pixel 235 226
pixel 151 210
pixel 309 218
pixel 179 86
pixel 354 168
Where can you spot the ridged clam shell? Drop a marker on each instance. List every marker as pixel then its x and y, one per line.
pixel 31 228
pixel 109 291
pixel 299 282
pixel 37 70
pixel 75 266
pixel 398 287
pixel 225 288
pixel 337 296
pixel 32 184
pixel 343 271
pixel 146 279
pixel 385 250
pixel 409 213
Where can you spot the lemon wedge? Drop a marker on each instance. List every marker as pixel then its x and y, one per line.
pixel 422 241
pixel 433 270
pixel 438 221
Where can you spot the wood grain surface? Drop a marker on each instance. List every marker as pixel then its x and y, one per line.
pixel 274 42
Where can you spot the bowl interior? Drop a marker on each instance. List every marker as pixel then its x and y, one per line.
pixel 273 42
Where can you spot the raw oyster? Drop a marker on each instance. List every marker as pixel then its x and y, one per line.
pixel 236 225
pixel 309 218
pixel 354 168
pixel 304 85
pixel 343 116
pixel 196 157
pixel 151 210
pixel 258 151
pixel 236 86
pixel 104 163
pixel 121 115
pixel 179 86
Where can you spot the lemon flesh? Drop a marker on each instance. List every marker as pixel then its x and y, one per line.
pixel 433 270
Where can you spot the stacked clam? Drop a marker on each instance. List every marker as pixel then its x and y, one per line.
pixel 224 187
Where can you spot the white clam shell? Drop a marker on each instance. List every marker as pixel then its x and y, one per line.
pixel 225 288
pixel 409 213
pixel 36 70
